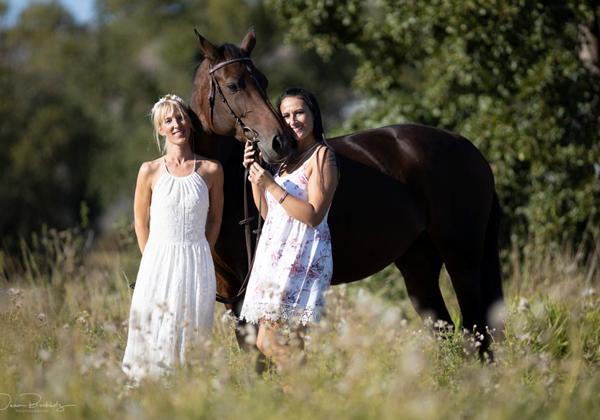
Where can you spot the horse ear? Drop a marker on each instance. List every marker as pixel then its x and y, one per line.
pixel 208 49
pixel 248 42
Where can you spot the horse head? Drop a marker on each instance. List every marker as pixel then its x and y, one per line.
pixel 229 97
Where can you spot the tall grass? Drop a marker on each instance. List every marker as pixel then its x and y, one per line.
pixel 63 329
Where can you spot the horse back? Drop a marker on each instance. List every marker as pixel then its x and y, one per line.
pixel 413 153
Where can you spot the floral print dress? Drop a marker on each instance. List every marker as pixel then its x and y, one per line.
pixel 293 264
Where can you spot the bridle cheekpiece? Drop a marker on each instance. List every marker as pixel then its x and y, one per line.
pixel 250 134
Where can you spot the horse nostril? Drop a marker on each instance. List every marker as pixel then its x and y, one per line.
pixel 277 144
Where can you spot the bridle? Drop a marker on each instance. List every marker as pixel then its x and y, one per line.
pixel 251 135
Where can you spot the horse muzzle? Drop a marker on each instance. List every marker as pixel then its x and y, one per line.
pixel 277 149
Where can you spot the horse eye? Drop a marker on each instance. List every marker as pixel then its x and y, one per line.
pixel 233 87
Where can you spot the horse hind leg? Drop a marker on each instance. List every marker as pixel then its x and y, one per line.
pixel 466 281
pixel 472 263
pixel 493 297
pixel 420 266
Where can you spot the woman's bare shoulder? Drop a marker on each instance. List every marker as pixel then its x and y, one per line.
pixel 151 166
pixel 324 150
pixel 323 155
pixel 149 169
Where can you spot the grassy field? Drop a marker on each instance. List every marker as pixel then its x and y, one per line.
pixel 63 331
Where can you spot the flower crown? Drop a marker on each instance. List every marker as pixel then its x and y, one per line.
pixel 169 97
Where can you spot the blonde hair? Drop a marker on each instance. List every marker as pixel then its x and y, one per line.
pixel 166 105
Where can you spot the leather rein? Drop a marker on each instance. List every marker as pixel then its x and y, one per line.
pixel 253 137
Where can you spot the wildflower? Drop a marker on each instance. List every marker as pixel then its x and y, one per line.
pixel 539 310
pixel 16 297
pixel 588 292
pixel 109 327
pixel 249 334
pixel 440 324
pixel 412 362
pixel 523 305
pixel 82 318
pixel 497 315
pixel 524 337
pixel 227 316
pixel 44 355
pixel 390 318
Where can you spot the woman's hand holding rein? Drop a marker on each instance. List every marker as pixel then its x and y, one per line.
pixel 259 176
pixel 249 155
pixel 254 171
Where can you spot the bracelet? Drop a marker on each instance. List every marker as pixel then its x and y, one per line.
pixel 285 194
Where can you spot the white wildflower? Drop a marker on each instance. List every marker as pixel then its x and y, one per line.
pixel 44 355
pixel 523 304
pixel 588 292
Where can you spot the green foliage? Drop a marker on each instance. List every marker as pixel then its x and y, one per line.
pixel 48 138
pixel 515 77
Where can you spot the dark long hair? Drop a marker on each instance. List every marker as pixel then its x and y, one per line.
pixel 312 104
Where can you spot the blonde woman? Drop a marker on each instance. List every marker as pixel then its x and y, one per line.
pixel 177 210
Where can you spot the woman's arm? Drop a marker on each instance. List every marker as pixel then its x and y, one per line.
pixel 322 182
pixel 258 193
pixel 141 205
pixel 215 208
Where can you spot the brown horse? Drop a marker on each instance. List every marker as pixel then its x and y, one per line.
pixel 408 194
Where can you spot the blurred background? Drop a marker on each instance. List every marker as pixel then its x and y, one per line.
pixel 520 78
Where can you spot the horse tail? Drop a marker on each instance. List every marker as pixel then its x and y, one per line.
pixel 492 295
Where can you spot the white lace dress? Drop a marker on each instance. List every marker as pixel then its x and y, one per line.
pixel 293 263
pixel 173 301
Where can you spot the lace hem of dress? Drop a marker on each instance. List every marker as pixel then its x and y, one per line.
pixel 280 313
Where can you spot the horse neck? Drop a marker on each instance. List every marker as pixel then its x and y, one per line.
pixel 227 150
pixel 230 152
pixel 231 262
pixel 206 145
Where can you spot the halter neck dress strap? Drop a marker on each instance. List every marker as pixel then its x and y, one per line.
pixel 191 173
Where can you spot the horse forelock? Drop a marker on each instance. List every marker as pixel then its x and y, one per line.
pixel 228 51
pixel 224 52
